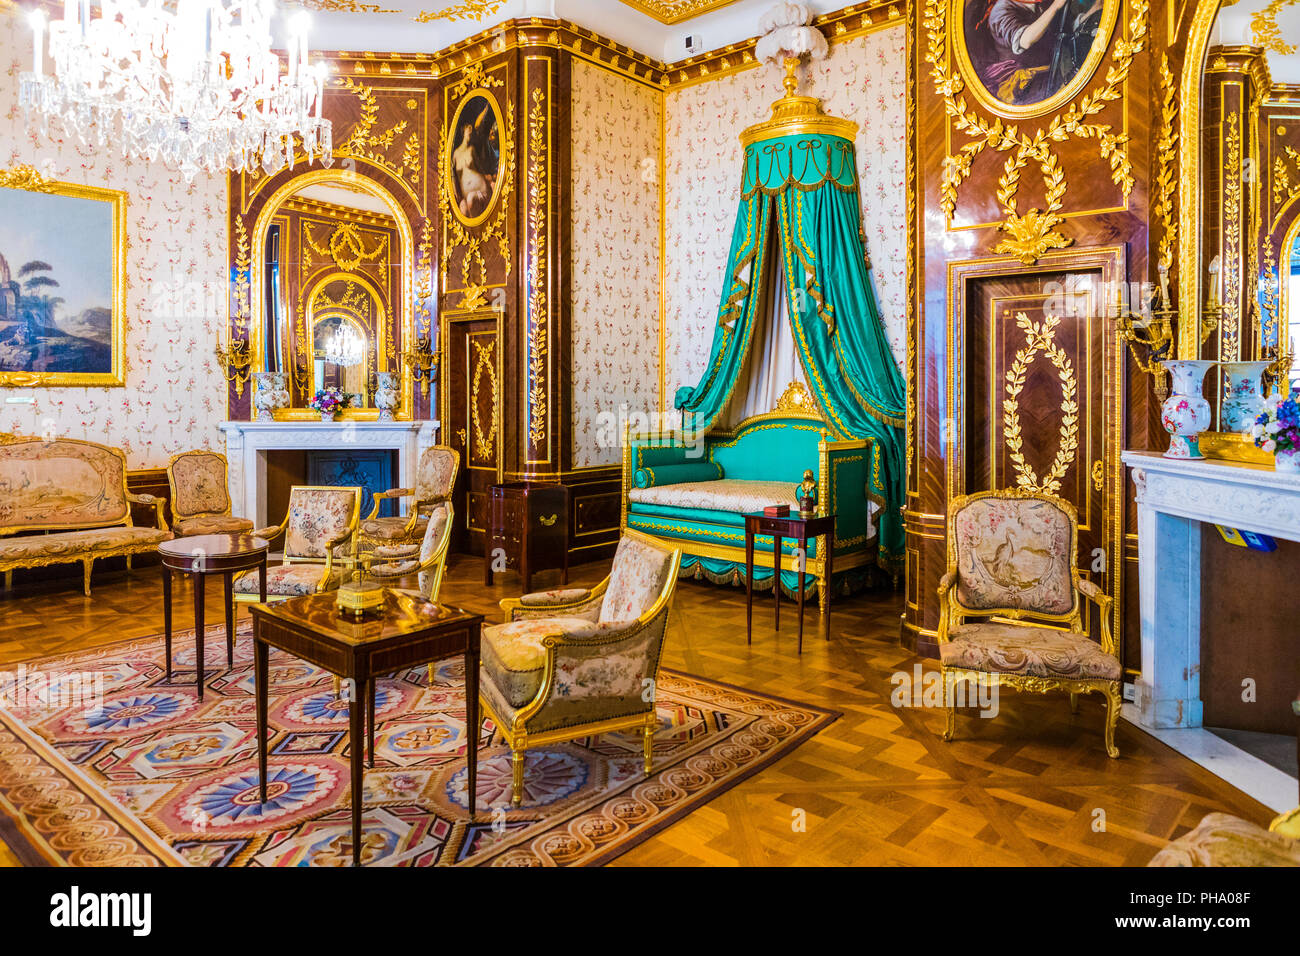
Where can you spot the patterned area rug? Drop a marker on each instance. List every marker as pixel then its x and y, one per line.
pixel 156 777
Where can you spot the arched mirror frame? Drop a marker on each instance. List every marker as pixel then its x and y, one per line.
pixel 378 347
pixel 257 278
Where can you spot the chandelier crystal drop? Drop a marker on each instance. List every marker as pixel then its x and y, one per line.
pixel 344 348
pixel 194 84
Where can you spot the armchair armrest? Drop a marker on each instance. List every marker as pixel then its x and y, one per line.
pixel 382 496
pixel 947 582
pixel 268 533
pixel 1103 601
pixel 158 504
pixel 571 602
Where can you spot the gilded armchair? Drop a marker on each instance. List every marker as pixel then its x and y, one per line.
pixel 200 496
pixel 319 534
pixel 576 663
pixel 388 564
pixel 1012 565
pixel 433 484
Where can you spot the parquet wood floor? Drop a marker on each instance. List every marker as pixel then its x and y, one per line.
pixel 878 787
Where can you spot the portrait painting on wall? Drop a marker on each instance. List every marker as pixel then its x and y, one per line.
pixel 474 160
pixel 1033 53
pixel 61 249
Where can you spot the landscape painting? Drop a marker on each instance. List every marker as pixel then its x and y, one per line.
pixel 61 248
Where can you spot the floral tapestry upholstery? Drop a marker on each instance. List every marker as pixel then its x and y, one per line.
pixel 198 482
pixel 1224 840
pixel 317 516
pixel 211 524
pixel 725 494
pixel 406 559
pixel 1023 649
pixel 389 529
pixel 61 484
pixel 640 571
pixel 289 580
pixel 436 473
pixel 1014 553
pixel 514 658
pixel 74 544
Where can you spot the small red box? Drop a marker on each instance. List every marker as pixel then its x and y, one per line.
pixel 777 511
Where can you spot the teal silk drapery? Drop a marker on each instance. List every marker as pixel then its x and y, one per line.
pixel 800 197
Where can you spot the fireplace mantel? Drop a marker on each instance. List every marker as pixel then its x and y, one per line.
pixel 1173 497
pixel 247 444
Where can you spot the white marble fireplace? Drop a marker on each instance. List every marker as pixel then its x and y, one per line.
pixel 247 445
pixel 1174 497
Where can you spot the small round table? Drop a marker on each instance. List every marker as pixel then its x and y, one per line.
pixel 200 556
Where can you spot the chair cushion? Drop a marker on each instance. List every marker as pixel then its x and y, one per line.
pixel 213 524
pixel 724 494
pixel 75 543
pixel 1224 840
pixel 288 580
pixel 636 581
pixel 1014 553
pixel 515 660
pixel 1022 649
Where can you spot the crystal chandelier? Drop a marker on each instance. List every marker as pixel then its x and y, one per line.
pixel 344 348
pixel 193 83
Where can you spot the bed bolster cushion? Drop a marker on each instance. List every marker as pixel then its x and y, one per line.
pixel 650 477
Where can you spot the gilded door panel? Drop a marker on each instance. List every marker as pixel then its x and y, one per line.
pixel 473 400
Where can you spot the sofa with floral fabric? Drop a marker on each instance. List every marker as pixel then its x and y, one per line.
pixel 576 662
pixel 65 501
pixel 695 497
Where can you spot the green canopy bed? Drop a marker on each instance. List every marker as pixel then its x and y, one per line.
pixel 796 273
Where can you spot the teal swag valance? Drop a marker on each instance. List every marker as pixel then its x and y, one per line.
pixel 800 196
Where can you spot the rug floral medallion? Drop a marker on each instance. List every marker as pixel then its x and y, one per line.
pixel 154 776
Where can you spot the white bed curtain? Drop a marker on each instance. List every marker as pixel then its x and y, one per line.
pixel 773 360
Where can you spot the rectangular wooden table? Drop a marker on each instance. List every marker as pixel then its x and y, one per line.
pixel 409 632
pixel 801 527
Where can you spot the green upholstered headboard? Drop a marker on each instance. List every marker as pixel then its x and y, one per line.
pixel 767 449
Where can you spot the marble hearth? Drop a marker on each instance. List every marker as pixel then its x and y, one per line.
pixel 248 443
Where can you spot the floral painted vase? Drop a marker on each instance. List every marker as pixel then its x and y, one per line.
pixel 1243 395
pixel 1287 462
pixel 1186 413
pixel 386 396
pixel 270 393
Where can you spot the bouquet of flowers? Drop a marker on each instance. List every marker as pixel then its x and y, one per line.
pixel 1277 429
pixel 328 401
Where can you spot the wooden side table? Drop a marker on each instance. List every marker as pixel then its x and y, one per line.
pixel 801 528
pixel 223 554
pixel 529 524
pixel 408 632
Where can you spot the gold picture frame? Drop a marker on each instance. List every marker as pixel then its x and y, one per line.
pixel 449 147
pixel 971 74
pixel 28 179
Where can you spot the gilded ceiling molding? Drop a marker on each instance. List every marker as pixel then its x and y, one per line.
pixel 675 11
pixel 338 6
pixel 329 210
pixel 468 10
pixel 1266 31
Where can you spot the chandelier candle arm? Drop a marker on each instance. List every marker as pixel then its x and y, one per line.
pixel 197 87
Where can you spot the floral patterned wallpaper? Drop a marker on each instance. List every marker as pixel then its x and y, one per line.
pixel 864 79
pixel 175 293
pixel 615 297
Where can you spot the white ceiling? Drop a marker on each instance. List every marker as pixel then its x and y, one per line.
pixel 1233 29
pixel 397 32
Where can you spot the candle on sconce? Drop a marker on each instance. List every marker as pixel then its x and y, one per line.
pixel 1212 298
pixel 1163 269
pixel 37 19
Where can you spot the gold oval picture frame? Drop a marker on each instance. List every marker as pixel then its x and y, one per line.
pixel 1016 83
pixel 473 158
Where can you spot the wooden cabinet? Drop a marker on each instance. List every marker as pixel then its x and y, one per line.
pixel 528 527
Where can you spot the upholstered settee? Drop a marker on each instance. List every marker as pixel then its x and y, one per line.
pixel 1221 839
pixel 65 501
pixel 730 473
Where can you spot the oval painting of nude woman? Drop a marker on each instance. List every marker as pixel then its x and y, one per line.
pixel 474 158
pixel 1029 57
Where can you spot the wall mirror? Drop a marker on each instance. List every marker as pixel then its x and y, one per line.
pixel 332 253
pixel 1239 262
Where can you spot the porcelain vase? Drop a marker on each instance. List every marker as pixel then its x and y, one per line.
pixel 1287 462
pixel 327 416
pixel 1243 395
pixel 271 392
pixel 1186 413
pixel 386 397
